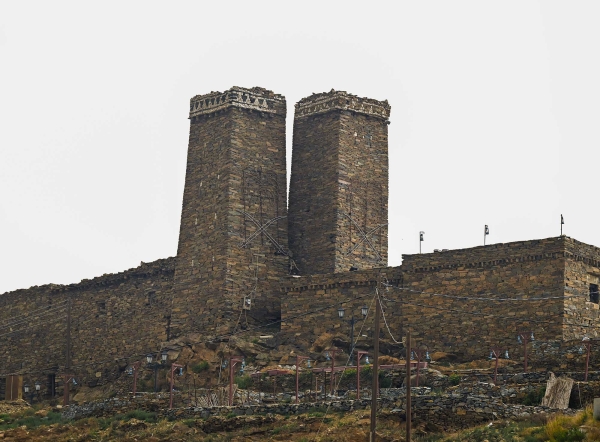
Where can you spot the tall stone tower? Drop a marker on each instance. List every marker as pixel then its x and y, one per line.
pixel 338 207
pixel 233 235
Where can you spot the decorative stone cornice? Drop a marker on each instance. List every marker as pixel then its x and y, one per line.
pixel 257 98
pixel 340 100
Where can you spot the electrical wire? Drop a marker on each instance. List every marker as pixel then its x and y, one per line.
pixel 385 320
pixel 23 318
pixel 32 326
pixel 346 365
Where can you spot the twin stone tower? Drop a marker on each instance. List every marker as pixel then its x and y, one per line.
pixel 239 238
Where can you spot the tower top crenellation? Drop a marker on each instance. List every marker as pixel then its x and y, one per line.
pixel 340 100
pixel 255 98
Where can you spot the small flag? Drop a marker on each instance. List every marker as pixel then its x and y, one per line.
pixel 487 230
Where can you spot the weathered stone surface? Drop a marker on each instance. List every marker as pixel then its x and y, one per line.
pixel 339 183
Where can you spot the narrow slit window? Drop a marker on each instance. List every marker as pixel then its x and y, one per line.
pixel 594 295
pixel 101 307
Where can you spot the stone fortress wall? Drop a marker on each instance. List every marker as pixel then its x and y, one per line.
pixel 234 256
pixel 112 316
pixel 464 301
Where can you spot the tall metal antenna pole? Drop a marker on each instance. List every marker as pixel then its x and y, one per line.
pixel 408 388
pixel 375 382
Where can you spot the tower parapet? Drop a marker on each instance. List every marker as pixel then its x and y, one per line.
pixel 257 99
pixel 340 100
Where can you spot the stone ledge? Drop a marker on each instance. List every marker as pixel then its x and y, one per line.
pixel 339 100
pixel 256 98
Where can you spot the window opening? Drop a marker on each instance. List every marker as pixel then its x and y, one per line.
pixel 594 295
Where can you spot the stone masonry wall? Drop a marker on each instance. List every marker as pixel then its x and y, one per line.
pixel 233 235
pixel 113 316
pixel 311 212
pixel 478 284
pixel 323 295
pixel 582 273
pixel 457 301
pixel 339 183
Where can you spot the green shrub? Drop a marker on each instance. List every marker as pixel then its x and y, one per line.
pixel 366 372
pixel 28 419
pixel 384 381
pixel 200 367
pixel 534 397
pixel 243 382
pixel 454 379
pixel 141 415
pixel 570 435
pixel 349 374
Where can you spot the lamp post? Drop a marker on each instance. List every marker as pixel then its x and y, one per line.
pixel 298 360
pixel 156 365
pixel 232 363
pixel 420 353
pixel 173 368
pixel 524 338
pixel 359 355
pixel 375 382
pixel 333 351
pixel 27 392
pixel 67 378
pixel 364 311
pixel 588 345
pixel 495 353
pixel 134 370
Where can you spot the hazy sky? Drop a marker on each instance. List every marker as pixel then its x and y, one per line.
pixel 495 111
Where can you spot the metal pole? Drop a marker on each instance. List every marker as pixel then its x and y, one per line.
pixel 156 378
pixel 525 345
pixel 68 355
pixel 230 382
pixel 332 368
pixel 171 389
pixel 296 379
pixel 496 368
pixel 375 382
pixel 357 379
pixel 173 368
pixel 418 354
pixel 408 390
pixel 587 359
pixel 136 367
pixel 351 338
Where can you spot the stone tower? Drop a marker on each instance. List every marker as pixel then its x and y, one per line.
pixel 233 235
pixel 338 204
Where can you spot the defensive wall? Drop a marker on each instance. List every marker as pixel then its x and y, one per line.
pixel 113 315
pixel 462 301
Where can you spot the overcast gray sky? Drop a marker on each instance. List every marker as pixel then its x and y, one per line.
pixel 495 111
